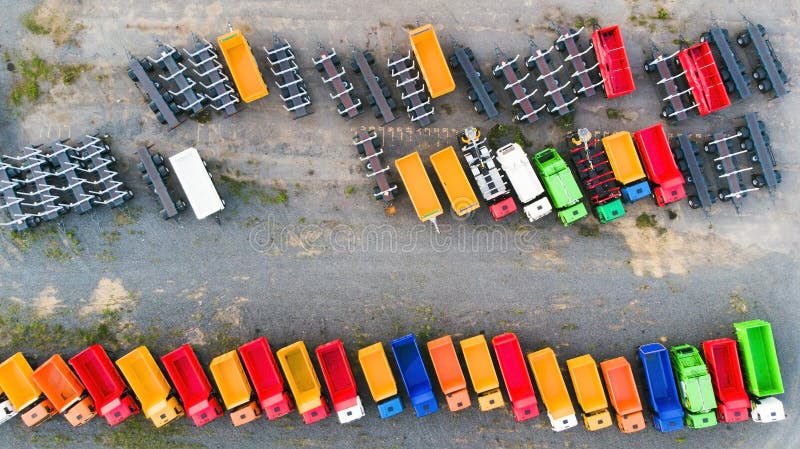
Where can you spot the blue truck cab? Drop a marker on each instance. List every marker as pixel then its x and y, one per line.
pixel 415 377
pixel 668 412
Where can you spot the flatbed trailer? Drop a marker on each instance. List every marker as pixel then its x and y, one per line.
pixel 448 372
pixel 523 105
pixel 516 377
pixel 622 394
pixel 595 173
pixel 557 102
pixel 380 96
pixel 733 75
pixel 754 138
pixel 530 192
pixel 266 378
pixel 487 176
pixel 192 385
pixel 380 380
pixel 553 390
pixel 303 382
pixel 340 381
pixel 166 112
pixel 769 73
pixel 283 65
pixel 111 397
pixel 762 373
pixel 419 187
pixel 456 185
pixel 243 66
pixel 667 410
pixel 613 59
pixel 64 390
pixel 37 194
pixel 207 69
pixel 560 184
pixel 686 155
pixel 482 373
pixel 95 158
pixel 694 381
pixel 329 64
pixel 196 183
pixel 733 404
pixel 413 95
pixel 568 41
pixel 626 166
pixel 589 391
pixel 169 60
pixel 369 151
pixel 25 395
pixel 675 109
pixel 660 165
pixel 432 63
pixel 67 171
pixel 19 220
pixel 415 376
pixel 728 170
pixel 154 172
pixel 150 386
pixel 235 389
pixel 705 82
pixel 481 94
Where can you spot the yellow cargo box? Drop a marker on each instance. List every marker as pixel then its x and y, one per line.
pixel 419 187
pixel 150 386
pixel 454 180
pixel 432 63
pixel 243 66
pixel 482 372
pixel 623 157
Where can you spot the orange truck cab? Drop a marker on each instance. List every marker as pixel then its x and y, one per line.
pixel 64 390
pixel 150 386
pixel 432 62
pixel 553 389
pixel 303 382
pixel 380 379
pixel 623 394
pixel 482 372
pixel 448 372
pixel 589 390
pixel 25 396
pixel 235 389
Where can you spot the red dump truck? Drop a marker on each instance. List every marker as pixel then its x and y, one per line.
pixel 105 385
pixel 722 360
pixel 340 381
pixel 613 59
pixel 660 165
pixel 516 376
pixel 266 377
pixel 63 388
pixel 192 385
pixel 704 79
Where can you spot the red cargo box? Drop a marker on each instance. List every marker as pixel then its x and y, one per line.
pixel 613 59
pixel 340 382
pixel 659 163
pixel 704 79
pixel 733 402
pixel 192 385
pixel 266 377
pixel 104 384
pixel 515 376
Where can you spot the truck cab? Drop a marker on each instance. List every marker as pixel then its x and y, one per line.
pixel 626 166
pixel 762 371
pixel 192 385
pixel 340 381
pixel 553 389
pixel 266 378
pixel 733 404
pixel 235 389
pixel 303 382
pixel 623 394
pixel 148 383
pixel 696 391
pixel 589 391
pixel 667 411
pixel 104 384
pixel 482 373
pixel 560 185
pixel 516 377
pixel 25 396
pixel 415 376
pixel 64 390
pixel 529 189
pixel 448 372
pixel 380 379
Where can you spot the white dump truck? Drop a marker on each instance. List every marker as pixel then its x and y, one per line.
pixel 196 183
pixel 529 190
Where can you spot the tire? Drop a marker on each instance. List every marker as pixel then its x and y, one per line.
pixel 778 176
pixel 132 75
pixel 497 73
pixel 759 181
pixel 764 86
pixel 576 90
pixel 146 65
pixel 469 53
pixel 718 167
pixel 161 119
pixel 153 106
pixel 391 103
pixel 177 56
pixel 168 97
pixel 488 87
pixel 180 205
pixel 495 99
pixel 705 37
pixel 759 73
pixel 370 58
pixel 744 131
pixel 320 68
pixel 360 149
pixel 530 64
pixel 667 111
pixel 754 158
pixel 694 202
pixel 743 40
pixel 730 87
pixel 163 171
pixel 472 95
pixel 376 111
pixel 371 100
pixel 560 46
pixel 336 60
pixel 146 179
pixel 723 195
pixel 747 144
pixel 710 148
pixel 478 106
pixel 683 166
pixel 141 168
pixel 174 108
pixel 648 67
pixel 386 92
pixel 725 74
pixel 354 66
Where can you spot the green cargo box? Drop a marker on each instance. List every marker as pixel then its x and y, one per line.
pixel 759 357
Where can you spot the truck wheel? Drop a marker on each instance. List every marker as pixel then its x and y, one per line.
pixel 497 73
pixel 319 67
pixel 743 40
pixel 694 202
pixel 163 171
pixel 705 37
pixel 386 92
pixel 132 75
pixel 778 176
pixel 576 90
pixel 472 95
pixel 495 99
pixel 376 111
pixel 682 165
pixel 710 148
pixel 725 74
pixel 177 56
pixel 158 159
pixel 146 65
pixel 488 87
pixel 371 100
pixel 391 103
pixel 747 144
pixel 161 119
pixel 153 106
pixel 730 87
pixel 690 179
pixel 754 158
pixel 759 73
pixel 360 149
pixel 174 108
pixel 478 106
pixel 453 62
pixel 719 167
pixel 764 86
pixel 180 205
pixel 370 58
pixel 354 66
pixel 140 165
pixel 146 179
pixel 744 131
pixel 667 112
pixel 560 46
pixel 168 97
pixel 335 60
pixel 376 192
pixel 759 181
pixel 530 64
pixel 649 67
pixel 723 195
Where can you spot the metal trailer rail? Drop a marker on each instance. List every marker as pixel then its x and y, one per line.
pixel 39 194
pixel 154 171
pixel 484 170
pixel 594 171
pixel 170 61
pixel 692 169
pixel 481 94
pixel 727 169
pixel 20 220
pixel 676 110
pixel 370 152
pixel 567 41
pixel 526 110
pixel 417 102
pixel 769 74
pixel 328 62
pixel 759 144
pixel 283 65
pixel 380 97
pixel 66 170
pixel 734 73
pixel 158 103
pixel 93 155
pixel 558 103
pixel 206 67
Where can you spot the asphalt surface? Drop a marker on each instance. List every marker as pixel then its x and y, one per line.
pixel 327 263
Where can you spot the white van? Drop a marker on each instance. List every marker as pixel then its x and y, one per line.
pixel 518 169
pixel 196 183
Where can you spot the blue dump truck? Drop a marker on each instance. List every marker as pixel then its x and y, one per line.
pixel 667 409
pixel 415 377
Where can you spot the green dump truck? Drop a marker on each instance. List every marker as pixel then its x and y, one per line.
pixel 560 185
pixel 694 386
pixel 761 370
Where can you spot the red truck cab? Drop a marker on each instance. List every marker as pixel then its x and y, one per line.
pixel 104 384
pixel 516 376
pixel 259 362
pixel 660 165
pixel 722 360
pixel 192 385
pixel 613 59
pixel 340 381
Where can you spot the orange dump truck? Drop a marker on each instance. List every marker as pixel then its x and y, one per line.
pixel 380 379
pixel 432 62
pixel 419 187
pixel 589 390
pixel 243 66
pixel 623 394
pixel 448 372
pixel 552 389
pixel 626 166
pixel 454 180
pixel 63 388
pixel 150 386
pixel 303 382
pixel 235 389
pixel 25 396
pixel 482 372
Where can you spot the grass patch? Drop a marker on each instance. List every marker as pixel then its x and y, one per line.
pixel 662 13
pixel 613 114
pixel 500 135
pixel 245 190
pixel 349 190
pixel 111 237
pixel 61 251
pixel 71 73
pixel 569 327
pixel 105 256
pixel 566 122
pixel 56 22
pixel 589 22
pixel 138 432
pixel 203 117
pixel 31 23
pixel 409 26
pixel 35 72
pixel 125 218
pixel 645 220
pixel 447 108
pixel 589 231
pixel 738 304
pixel 276 196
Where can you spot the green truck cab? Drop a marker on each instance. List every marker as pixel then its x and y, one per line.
pixel 694 386
pixel 560 185
pixel 762 372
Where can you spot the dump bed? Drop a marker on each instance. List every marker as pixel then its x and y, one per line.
pixel 432 63
pixel 661 387
pixel 104 384
pixel 704 79
pixel 448 371
pixel 481 372
pixel 415 376
pixel 516 377
pixel 15 381
pixel 760 358
pixel 380 379
pixel 660 165
pixel 196 183
pixel 589 392
pixel 340 381
pixel 623 395
pixel 231 381
pixel 517 166
pixel 266 377
pixel 303 382
pixel 613 60
pixel 243 66
pixel 623 158
pixel 454 180
pixel 419 187
pixel 58 383
pixel 726 378
pixel 192 385
pixel 553 389
pixel 150 386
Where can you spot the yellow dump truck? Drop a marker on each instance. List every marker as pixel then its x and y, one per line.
pixel 237 394
pixel 482 372
pixel 148 383
pixel 303 382
pixel 419 187
pixel 553 389
pixel 626 166
pixel 432 62
pixel 454 180
pixel 243 66
pixel 590 393
pixel 380 379
pixel 25 396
